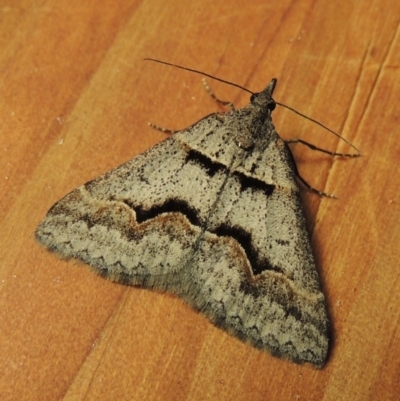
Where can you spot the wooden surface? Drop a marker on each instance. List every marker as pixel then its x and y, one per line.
pixel 75 99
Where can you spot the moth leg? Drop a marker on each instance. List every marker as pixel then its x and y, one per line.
pixel 312 189
pixel 220 116
pixel 302 180
pixel 162 129
pixel 313 147
pixel 221 102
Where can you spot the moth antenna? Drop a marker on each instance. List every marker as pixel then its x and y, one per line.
pixel 201 73
pixel 249 91
pixel 323 126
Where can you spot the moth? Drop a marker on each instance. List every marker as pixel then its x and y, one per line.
pixel 213 215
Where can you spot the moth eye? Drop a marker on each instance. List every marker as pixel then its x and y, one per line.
pixel 252 97
pixel 271 106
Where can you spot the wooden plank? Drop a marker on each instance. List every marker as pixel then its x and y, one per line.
pixel 75 101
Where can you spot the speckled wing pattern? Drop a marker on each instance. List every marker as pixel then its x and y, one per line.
pixel 213 215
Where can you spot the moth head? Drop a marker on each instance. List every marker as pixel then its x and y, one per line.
pixel 264 99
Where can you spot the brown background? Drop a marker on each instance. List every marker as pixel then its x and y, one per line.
pixel 75 99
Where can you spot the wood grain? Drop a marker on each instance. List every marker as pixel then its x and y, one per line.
pixel 74 102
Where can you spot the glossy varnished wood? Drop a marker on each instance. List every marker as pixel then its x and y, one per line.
pixel 75 98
